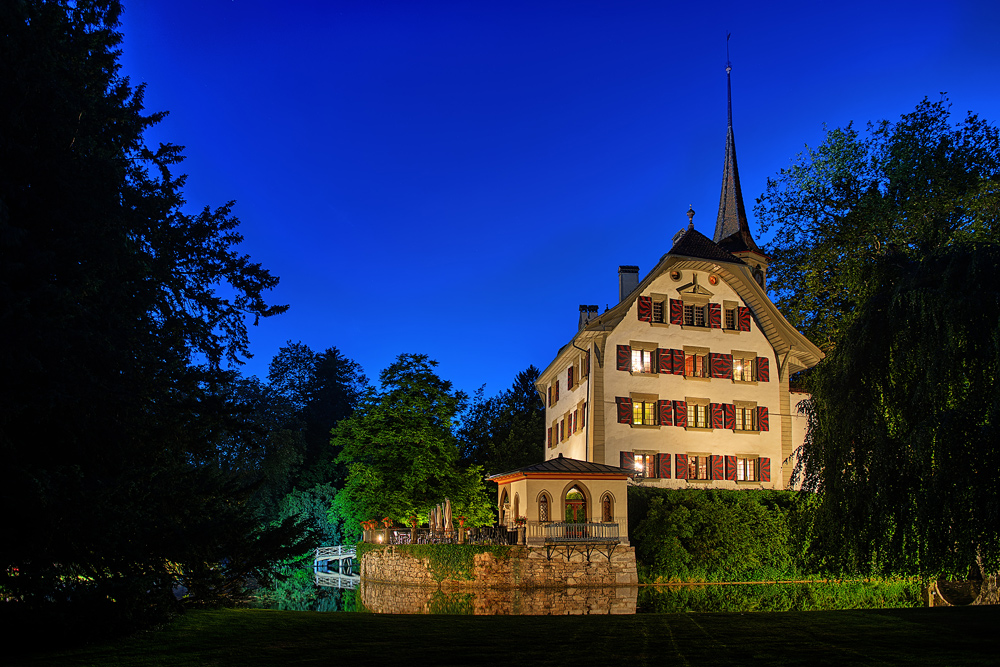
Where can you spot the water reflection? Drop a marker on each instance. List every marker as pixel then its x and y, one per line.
pixel 326 589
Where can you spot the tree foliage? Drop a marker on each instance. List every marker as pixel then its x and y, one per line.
pixel 913 186
pixel 886 254
pixel 507 431
pixel 119 309
pixel 401 451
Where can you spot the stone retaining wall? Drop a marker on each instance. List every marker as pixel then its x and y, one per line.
pixel 396 599
pixel 526 567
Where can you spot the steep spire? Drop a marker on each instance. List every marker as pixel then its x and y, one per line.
pixel 731 228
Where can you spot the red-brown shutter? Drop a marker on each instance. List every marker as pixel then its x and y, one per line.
pixel 762 424
pixel 586 365
pixel 682 466
pixel 665 412
pixel 550 436
pixel 718 464
pixel 721 365
pixel 763 373
pixel 624 410
pixel 664 360
pixel 645 309
pixel 624 357
pixel 731 468
pixel 676 311
pixel 718 420
pixel 663 466
pixel 729 416
pixel 627 460
pixel 677 357
pixel 557 391
pixel 765 469
pixel 744 318
pixel 550 396
pixel 715 315
pixel 569 378
pixel 680 413
pixel 576 420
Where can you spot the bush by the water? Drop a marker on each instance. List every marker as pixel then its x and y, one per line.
pixel 720 535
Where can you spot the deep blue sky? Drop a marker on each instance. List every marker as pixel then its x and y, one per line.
pixel 457 178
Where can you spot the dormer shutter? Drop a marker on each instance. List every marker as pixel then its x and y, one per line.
pixel 624 357
pixel 762 424
pixel 763 374
pixel 715 315
pixel 744 318
pixel 665 412
pixel 676 311
pixel 624 409
pixel 645 309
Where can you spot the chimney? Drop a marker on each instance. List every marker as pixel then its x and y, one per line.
pixel 587 313
pixel 628 280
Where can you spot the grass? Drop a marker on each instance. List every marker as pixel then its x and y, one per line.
pixel 942 636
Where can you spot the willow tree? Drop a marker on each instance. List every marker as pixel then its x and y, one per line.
pixel 887 254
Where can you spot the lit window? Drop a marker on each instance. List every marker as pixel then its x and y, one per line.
pixel 696 365
pixel 642 361
pixel 746 419
pixel 746 469
pixel 698 416
pixel 697 467
pixel 644 413
pixel 645 465
pixel 743 369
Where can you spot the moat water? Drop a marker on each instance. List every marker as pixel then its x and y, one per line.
pixel 301 592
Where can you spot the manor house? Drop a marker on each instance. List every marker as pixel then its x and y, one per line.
pixel 685 380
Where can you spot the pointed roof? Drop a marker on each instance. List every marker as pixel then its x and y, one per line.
pixel 731 229
pixel 695 244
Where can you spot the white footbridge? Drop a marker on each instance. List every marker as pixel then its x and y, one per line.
pixel 345 557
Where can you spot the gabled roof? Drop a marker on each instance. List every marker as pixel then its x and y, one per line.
pixel 561 464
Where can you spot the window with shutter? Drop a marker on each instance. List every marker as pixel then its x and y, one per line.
pixel 642 361
pixel 623 358
pixel 664 361
pixel 743 369
pixel 729 416
pixel 731 319
pixel 717 416
pixel 762 424
pixel 644 413
pixel 624 409
pixel 763 374
pixel 744 318
pixel 663 466
pixel 715 315
pixel 765 469
pixel 665 409
pixel 731 468
pixel 681 461
pixel 718 467
pixel 658 312
pixel 746 468
pixel 680 413
pixel 645 309
pixel 676 311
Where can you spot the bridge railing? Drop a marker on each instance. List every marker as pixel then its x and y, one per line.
pixel 336 552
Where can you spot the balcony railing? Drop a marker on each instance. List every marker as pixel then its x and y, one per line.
pixel 581 532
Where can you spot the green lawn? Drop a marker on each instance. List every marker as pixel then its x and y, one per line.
pixel 949 636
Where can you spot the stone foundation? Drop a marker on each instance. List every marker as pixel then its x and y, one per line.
pixel 526 567
pixel 396 599
pixel 950 594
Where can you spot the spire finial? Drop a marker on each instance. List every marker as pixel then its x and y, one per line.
pixel 690 217
pixel 729 85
